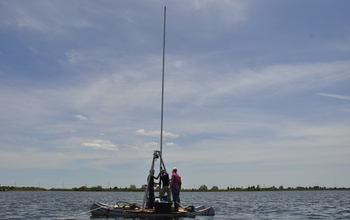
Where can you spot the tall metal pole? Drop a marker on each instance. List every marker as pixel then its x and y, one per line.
pixel 162 106
pixel 149 193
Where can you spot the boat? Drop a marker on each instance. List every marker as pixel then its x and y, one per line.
pixel 152 206
pixel 100 209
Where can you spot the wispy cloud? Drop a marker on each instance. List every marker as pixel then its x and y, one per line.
pixel 49 20
pixel 80 117
pixel 334 96
pixel 100 145
pixel 156 133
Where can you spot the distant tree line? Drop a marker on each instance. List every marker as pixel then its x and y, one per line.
pixel 202 188
pixel 24 188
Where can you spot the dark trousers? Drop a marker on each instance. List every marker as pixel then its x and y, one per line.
pixel 175 191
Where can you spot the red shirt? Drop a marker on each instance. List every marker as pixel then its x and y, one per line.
pixel 175 179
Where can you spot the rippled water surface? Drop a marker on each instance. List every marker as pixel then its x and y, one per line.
pixel 227 205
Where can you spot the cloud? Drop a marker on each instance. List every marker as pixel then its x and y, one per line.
pixel 150 133
pixel 267 81
pixel 156 133
pixel 44 16
pixel 32 158
pixel 170 144
pixel 170 135
pixel 334 96
pixel 100 145
pixel 199 12
pixel 80 117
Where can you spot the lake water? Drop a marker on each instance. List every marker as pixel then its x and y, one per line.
pixel 227 205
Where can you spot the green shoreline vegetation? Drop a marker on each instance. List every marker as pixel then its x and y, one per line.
pixel 203 188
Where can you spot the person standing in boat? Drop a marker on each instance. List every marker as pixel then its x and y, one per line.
pixel 164 179
pixel 175 184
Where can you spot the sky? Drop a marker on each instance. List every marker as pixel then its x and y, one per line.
pixel 256 92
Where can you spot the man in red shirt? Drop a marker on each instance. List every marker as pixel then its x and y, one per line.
pixel 175 184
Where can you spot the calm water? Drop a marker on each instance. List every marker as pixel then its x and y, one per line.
pixel 227 205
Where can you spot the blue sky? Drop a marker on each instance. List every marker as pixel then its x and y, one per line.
pixel 256 92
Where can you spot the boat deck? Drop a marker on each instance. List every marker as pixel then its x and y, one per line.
pixel 100 209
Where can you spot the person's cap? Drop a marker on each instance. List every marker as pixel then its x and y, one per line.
pixel 175 168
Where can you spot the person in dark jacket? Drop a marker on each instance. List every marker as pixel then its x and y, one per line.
pixel 164 181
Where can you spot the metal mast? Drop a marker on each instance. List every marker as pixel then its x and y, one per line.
pixel 149 193
pixel 162 104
